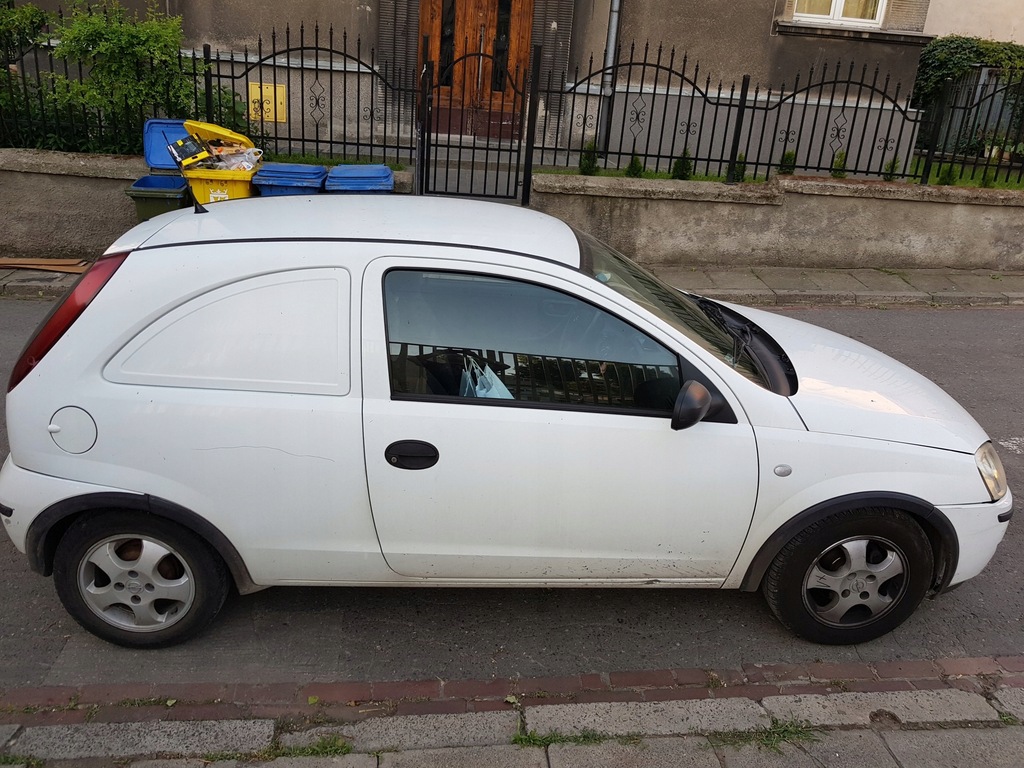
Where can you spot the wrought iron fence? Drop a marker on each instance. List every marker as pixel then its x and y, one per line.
pixel 315 92
pixel 652 105
pixel 981 134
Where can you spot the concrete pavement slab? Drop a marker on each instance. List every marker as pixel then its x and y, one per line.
pixel 958 748
pixel 756 756
pixel 849 749
pixel 7 733
pixel 930 281
pixel 468 757
pixel 417 732
pixel 341 761
pixel 686 752
pixel 992 282
pixel 692 279
pixel 736 279
pixel 834 281
pixel 185 762
pixel 670 718
pixel 881 280
pixel 120 740
pixel 1012 701
pixel 785 278
pixel 909 707
pixel 753 298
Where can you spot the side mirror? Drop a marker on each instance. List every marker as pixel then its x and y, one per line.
pixel 692 405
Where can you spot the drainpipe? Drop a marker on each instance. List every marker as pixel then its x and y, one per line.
pixel 607 84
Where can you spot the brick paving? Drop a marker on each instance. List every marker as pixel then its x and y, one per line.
pixel 354 701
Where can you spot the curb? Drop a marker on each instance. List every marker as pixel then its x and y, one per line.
pixel 674 726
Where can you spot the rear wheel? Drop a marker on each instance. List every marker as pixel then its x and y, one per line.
pixel 852 577
pixel 137 580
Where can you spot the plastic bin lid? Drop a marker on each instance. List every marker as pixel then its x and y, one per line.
pixel 209 131
pixel 292 171
pixel 361 172
pixel 156 135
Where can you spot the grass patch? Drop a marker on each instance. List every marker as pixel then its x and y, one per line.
pixel 328 746
pixel 31 762
pixel 534 739
pixel 770 737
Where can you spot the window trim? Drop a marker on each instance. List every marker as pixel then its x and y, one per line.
pixel 834 18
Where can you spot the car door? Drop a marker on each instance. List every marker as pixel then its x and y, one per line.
pixel 516 431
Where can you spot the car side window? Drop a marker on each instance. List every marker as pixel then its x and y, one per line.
pixel 478 337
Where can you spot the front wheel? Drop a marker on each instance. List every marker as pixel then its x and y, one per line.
pixel 851 577
pixel 137 580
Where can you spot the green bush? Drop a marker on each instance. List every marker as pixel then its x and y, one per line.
pixel 947 175
pixel 20 27
pixel 635 169
pixel 682 168
pixel 132 71
pixel 588 160
pixel 787 166
pixel 890 169
pixel 953 56
pixel 839 165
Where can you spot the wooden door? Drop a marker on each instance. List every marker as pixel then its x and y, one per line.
pixel 481 52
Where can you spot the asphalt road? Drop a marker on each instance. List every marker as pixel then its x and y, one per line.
pixel 298 635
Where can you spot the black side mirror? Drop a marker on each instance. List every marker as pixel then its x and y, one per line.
pixel 692 405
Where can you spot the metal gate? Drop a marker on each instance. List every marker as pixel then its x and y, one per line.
pixel 476 129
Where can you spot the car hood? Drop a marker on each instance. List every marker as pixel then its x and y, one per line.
pixel 848 388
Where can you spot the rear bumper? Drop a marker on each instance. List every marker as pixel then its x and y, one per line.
pixel 27 494
pixel 979 529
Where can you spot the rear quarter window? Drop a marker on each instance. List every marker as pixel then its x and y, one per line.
pixel 286 332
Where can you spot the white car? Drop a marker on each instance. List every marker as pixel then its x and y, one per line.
pixel 389 390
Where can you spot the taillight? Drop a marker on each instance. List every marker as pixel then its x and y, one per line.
pixel 64 314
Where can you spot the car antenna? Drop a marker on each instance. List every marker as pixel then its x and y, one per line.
pixel 198 208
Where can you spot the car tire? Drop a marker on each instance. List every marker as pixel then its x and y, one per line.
pixel 851 577
pixel 137 580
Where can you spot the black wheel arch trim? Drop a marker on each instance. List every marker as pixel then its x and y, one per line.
pixel 940 533
pixel 45 531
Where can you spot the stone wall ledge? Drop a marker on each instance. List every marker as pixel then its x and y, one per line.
pixel 657 189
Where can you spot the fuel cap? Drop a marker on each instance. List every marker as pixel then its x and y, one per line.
pixel 72 429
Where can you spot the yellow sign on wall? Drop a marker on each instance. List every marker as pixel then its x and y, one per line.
pixel 268 102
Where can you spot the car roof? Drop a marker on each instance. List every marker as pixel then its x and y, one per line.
pixel 393 218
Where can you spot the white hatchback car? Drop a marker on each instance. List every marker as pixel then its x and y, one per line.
pixel 379 390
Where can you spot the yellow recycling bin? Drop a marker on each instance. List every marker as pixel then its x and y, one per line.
pixel 211 185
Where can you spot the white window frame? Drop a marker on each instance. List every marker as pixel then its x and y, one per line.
pixel 836 17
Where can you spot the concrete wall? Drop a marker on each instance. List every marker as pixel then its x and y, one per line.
pixel 793 223
pixel 67 205
pixel 64 205
pixel 992 19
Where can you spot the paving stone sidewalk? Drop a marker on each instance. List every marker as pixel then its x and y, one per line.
pixel 936 713
pixel 763 286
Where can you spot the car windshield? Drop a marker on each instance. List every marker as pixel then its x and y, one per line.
pixel 683 312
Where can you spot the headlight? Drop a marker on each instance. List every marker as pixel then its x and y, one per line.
pixel 991 469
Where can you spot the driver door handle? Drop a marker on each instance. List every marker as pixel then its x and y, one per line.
pixel 411 454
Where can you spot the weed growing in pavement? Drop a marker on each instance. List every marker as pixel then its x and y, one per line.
pixel 714 681
pixel 842 685
pixel 29 762
pixel 771 737
pixel 328 746
pixel 534 739
pixel 1007 719
pixel 631 740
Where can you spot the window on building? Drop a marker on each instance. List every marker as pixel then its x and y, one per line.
pixel 853 12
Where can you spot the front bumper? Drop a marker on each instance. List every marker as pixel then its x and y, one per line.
pixel 979 529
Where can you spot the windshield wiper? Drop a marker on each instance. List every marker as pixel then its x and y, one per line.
pixel 738 330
